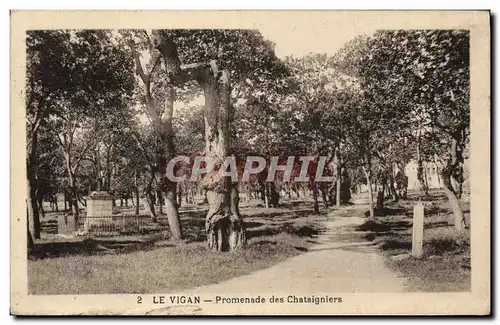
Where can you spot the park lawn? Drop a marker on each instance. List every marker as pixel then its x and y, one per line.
pixel 168 267
pixel 445 265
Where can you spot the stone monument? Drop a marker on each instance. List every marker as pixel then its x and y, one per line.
pixel 99 204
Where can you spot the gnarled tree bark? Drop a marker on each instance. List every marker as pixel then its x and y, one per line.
pixel 224 225
pixel 454 170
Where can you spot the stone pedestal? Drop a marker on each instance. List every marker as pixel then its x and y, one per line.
pixel 99 204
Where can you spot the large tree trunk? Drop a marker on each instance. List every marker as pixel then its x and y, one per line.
pixel 30 243
pixel 40 205
pixel 225 230
pixel 33 215
pixel 368 175
pixel 224 226
pixel 163 125
pixel 456 208
pixel 32 185
pixel 169 187
pixel 454 167
pixel 171 210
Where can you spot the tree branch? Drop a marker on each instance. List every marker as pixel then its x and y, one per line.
pixel 71 133
pixel 177 73
pixel 82 153
pixel 138 66
pixel 61 142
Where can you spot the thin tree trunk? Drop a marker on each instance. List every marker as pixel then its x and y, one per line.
pixel 392 189
pixel 136 179
pixel 150 206
pixel 73 198
pixel 339 176
pixel 324 196
pixel 315 197
pixel 39 199
pixel 30 243
pixel 33 213
pixel 380 197
pixel 172 212
pixel 337 192
pixel 370 190
pixel 288 191
pixel 191 192
pixel 179 196
pixel 169 187
pixel 274 195
pixel 266 195
pixel 51 203
pixel 149 200
pixel 65 200
pixel 56 203
pixel 161 201
pixel 33 216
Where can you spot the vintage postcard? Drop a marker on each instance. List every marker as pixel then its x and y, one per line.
pixel 250 163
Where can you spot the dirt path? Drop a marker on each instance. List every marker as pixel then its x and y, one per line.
pixel 340 262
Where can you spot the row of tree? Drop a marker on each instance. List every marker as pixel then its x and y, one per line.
pixel 100 116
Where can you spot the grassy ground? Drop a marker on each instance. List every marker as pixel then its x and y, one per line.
pixel 151 263
pixel 445 265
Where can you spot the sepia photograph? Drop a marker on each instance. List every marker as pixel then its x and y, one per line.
pixel 250 163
